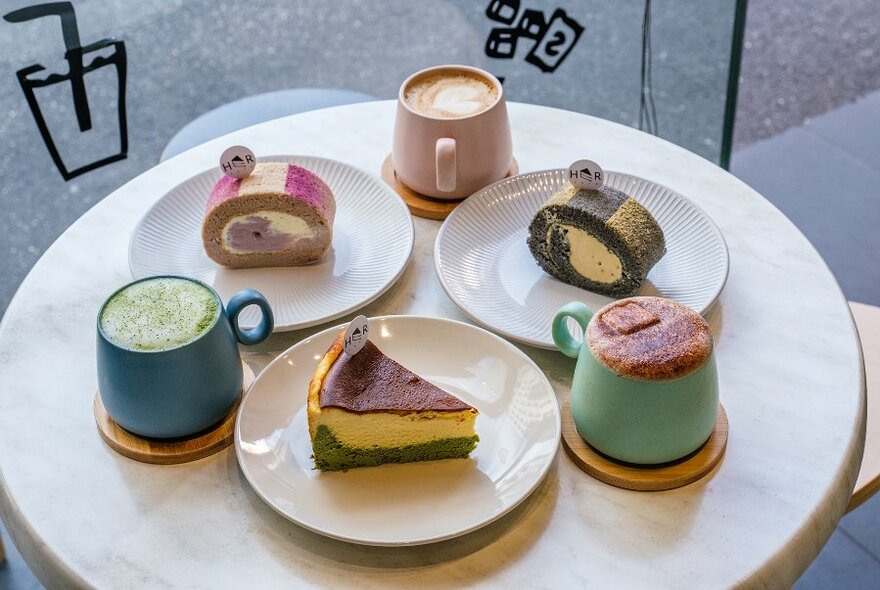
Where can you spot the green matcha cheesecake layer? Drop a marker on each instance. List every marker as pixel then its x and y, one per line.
pixel 600 240
pixel 332 455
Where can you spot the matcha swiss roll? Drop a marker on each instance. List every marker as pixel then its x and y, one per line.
pixel 600 239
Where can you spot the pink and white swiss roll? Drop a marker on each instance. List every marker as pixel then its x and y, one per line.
pixel 280 215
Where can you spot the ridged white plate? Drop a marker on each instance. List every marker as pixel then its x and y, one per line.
pixel 413 503
pixel 372 242
pixel 486 268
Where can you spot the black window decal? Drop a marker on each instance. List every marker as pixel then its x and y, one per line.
pixel 32 77
pixel 554 37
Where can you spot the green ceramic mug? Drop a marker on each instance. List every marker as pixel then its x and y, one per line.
pixel 645 386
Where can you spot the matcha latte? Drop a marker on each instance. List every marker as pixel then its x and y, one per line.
pixel 159 314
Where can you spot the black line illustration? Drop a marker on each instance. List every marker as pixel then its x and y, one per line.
pixel 556 42
pixel 31 78
pixel 503 11
pixel 554 37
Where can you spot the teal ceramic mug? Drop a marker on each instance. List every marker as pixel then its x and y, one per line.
pixel 168 360
pixel 645 386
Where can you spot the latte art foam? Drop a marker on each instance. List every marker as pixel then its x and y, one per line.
pixel 450 95
pixel 158 314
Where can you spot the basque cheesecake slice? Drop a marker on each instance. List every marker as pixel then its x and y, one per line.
pixel 366 409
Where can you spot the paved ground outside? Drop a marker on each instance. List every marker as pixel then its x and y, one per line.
pixel 803 58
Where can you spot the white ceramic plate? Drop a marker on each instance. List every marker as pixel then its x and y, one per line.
pixel 413 503
pixel 372 242
pixel 486 268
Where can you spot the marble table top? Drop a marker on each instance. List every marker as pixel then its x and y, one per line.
pixel 791 379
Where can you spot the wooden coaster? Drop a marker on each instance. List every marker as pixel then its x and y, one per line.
pixel 419 204
pixel 165 452
pixel 651 478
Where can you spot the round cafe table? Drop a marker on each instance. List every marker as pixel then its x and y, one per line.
pixel 789 362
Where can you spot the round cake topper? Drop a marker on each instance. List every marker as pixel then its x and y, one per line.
pixel 356 335
pixel 237 161
pixel 586 174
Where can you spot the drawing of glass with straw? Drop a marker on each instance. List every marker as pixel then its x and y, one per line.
pixel 99 135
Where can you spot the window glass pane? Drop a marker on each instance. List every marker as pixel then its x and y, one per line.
pixel 176 60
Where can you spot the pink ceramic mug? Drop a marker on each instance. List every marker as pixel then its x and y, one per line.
pixel 450 155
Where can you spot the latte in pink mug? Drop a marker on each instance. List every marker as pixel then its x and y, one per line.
pixel 451 134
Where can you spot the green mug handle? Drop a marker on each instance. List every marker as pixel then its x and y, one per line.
pixel 561 336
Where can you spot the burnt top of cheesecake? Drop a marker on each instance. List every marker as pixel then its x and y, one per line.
pixel 369 381
pixel 649 338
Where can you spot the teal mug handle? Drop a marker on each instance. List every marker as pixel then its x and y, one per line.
pixel 561 336
pixel 241 300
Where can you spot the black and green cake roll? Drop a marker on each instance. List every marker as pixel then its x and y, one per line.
pixel 600 240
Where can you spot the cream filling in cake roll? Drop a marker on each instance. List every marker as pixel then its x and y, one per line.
pixel 590 257
pixel 264 230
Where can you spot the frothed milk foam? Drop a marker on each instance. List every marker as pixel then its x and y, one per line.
pixel 158 314
pixel 450 95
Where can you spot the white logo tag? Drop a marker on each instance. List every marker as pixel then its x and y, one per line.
pixel 237 161
pixel 586 174
pixel 356 335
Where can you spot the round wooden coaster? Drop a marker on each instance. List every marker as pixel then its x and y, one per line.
pixel 165 452
pixel 652 478
pixel 419 204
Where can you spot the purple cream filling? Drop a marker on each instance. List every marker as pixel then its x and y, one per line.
pixel 254 234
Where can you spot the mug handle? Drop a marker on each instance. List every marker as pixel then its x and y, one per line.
pixel 561 336
pixel 241 300
pixel 444 160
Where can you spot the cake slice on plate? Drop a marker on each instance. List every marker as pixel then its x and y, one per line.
pixel 366 409
pixel 280 215
pixel 601 240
